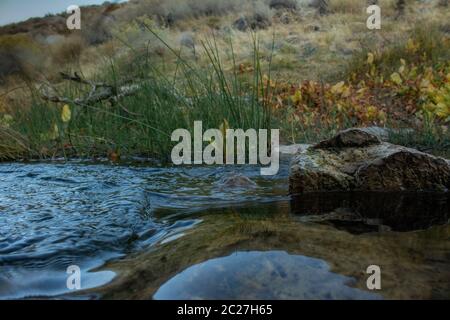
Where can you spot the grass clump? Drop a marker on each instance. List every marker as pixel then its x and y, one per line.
pixel 141 124
pixel 424 46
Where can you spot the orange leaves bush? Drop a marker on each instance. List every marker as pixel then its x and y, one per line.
pixel 409 95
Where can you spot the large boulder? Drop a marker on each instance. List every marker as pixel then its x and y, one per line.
pixel 358 160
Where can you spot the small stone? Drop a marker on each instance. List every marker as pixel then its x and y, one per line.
pixel 241 24
pixel 285 18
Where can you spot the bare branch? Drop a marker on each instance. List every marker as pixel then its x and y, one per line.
pixel 98 92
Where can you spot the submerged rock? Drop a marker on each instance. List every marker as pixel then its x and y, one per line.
pixel 358 160
pixel 236 181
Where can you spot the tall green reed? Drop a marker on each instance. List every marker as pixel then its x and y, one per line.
pixel 141 124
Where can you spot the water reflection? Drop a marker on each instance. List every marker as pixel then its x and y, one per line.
pixel 56 215
pixel 376 211
pixel 261 275
pixel 53 215
pixel 17 283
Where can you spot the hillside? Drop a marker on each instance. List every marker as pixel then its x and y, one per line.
pixel 313 66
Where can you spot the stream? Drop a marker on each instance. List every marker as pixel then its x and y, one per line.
pixel 140 231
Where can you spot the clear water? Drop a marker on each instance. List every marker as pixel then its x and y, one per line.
pixel 56 215
pixel 53 215
pixel 269 275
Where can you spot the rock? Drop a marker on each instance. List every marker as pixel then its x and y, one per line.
pixel 381 133
pixel 445 28
pixel 384 134
pixel 241 24
pixel 254 22
pixel 308 50
pixel 349 138
pixel 283 4
pixel 187 40
pixel 292 149
pixel 357 160
pixel 259 21
pixel 285 18
pixel 312 28
pixel 236 181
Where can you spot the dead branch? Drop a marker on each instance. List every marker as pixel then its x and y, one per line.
pixel 98 92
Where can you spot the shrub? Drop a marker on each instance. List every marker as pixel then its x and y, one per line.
pixel 425 46
pixel 258 16
pixel 346 6
pixel 98 30
pixel 19 54
pixel 68 50
pixel 283 4
pixel 322 6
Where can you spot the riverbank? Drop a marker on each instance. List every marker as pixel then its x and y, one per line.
pixel 160 78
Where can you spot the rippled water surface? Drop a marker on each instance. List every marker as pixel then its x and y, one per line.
pixel 53 215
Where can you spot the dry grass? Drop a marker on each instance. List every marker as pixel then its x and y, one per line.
pixel 304 47
pixel 69 50
pixel 347 6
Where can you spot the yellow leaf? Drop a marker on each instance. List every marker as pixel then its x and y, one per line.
pixel 370 58
pixel 66 114
pixel 268 82
pixel 411 46
pixel 297 97
pixel 361 91
pixel 338 87
pixel 371 112
pixel 395 77
pixel 346 92
pixel 439 98
pixel 373 70
pixel 429 107
pixel 442 111
pixel 55 133
pixel 425 83
pixel 413 72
